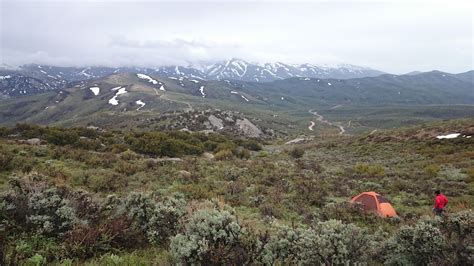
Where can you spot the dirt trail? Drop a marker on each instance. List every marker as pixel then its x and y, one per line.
pixel 311 125
pixel 321 119
pixel 164 96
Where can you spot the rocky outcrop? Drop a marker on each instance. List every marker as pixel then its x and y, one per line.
pixel 210 121
pixel 248 129
pixel 215 122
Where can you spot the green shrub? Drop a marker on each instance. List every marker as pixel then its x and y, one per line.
pixel 140 207
pixel 297 152
pixel 242 153
pixel 369 170
pixel 39 207
pixel 61 137
pixel 36 260
pixel 24 248
pixel 432 170
pixel 211 236
pixel 328 243
pixel 420 244
pixel 459 229
pixel 251 144
pixel 6 158
pixel 161 144
pixel 335 243
pixel 284 247
pixel 51 214
pixel 164 222
pixel 224 155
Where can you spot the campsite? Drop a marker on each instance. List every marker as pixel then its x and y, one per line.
pixel 275 203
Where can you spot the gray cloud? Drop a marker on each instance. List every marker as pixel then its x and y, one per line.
pixel 392 36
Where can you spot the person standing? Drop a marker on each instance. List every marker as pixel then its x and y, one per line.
pixel 440 203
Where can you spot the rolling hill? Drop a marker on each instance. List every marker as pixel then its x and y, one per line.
pixel 143 100
pixel 35 78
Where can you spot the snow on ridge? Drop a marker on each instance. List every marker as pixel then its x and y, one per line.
pixel 449 136
pixel 95 90
pixel 243 96
pixel 5 77
pixel 113 100
pixel 83 72
pixel 176 69
pixel 143 76
pixel 141 103
pixel 193 80
pixel 201 89
pixel 452 136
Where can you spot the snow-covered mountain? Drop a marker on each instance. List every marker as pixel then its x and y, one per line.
pixel 241 70
pixel 33 78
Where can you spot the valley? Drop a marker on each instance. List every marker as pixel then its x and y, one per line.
pixel 136 166
pixel 236 133
pixel 352 105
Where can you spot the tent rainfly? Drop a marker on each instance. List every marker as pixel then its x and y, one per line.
pixel 374 202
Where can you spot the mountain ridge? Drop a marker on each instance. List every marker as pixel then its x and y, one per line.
pixel 35 78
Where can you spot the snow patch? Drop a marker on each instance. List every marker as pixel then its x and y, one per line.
pixel 5 77
pixel 141 103
pixel 95 90
pixel 329 84
pixel 245 98
pixel 202 91
pixel 193 80
pixel 114 100
pixel 143 76
pixel 83 72
pixel 449 136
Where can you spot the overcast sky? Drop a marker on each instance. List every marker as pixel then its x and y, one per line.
pixel 393 36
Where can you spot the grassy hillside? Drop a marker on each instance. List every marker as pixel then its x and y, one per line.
pixel 358 105
pixel 86 196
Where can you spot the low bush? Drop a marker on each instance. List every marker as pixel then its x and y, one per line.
pixel 297 152
pixel 328 243
pixel 224 155
pixel 212 236
pixel 421 244
pixel 6 158
pixel 367 170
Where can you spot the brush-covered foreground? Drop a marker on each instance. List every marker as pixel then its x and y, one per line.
pixel 86 196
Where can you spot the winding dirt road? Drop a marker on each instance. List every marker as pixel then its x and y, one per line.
pixel 321 119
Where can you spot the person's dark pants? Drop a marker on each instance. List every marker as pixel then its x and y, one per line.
pixel 438 211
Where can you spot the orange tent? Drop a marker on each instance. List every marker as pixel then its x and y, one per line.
pixel 372 201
